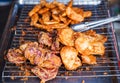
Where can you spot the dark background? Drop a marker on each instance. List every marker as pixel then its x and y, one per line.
pixel 5 6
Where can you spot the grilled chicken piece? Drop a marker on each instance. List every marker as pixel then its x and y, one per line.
pixel 66 36
pixel 28 43
pixel 39 56
pixel 49 68
pixel 70 58
pixel 89 59
pixel 53 59
pixel 32 51
pixel 45 38
pixel 45 74
pixel 55 45
pixel 16 56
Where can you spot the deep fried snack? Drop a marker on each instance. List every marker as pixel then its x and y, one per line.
pixel 51 27
pixel 51 22
pixel 70 58
pixel 61 6
pixel 34 19
pixel 87 14
pixel 43 3
pixel 55 11
pixel 34 10
pixel 63 19
pixel 73 15
pixel 66 36
pixel 97 37
pixel 88 45
pixel 89 59
pixel 50 5
pixel 79 11
pixel 70 3
pixel 46 17
pixel 43 10
pixel 56 15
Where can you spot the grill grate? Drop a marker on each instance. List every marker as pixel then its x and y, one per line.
pixel 107 66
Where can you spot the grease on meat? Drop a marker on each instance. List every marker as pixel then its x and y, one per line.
pixel 15 56
pixel 45 74
pixel 45 38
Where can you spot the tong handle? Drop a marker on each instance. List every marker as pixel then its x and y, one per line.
pixel 89 25
pixel 102 22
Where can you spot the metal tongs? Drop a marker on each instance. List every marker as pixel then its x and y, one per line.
pixel 90 25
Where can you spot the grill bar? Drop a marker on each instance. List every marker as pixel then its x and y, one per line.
pixel 107 66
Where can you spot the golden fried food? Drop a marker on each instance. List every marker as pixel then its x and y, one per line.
pixel 55 17
pixel 66 36
pixel 43 10
pixel 61 6
pixel 46 17
pixel 73 15
pixel 87 14
pixel 78 11
pixel 88 45
pixel 43 3
pixel 97 37
pixel 52 15
pixel 70 58
pixel 89 59
pixel 34 19
pixel 63 19
pixel 34 10
pixel 55 11
pixel 70 3
pixel 50 5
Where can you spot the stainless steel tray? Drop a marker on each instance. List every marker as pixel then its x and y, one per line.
pixel 106 71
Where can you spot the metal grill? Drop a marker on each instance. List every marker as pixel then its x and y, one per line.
pixel 107 66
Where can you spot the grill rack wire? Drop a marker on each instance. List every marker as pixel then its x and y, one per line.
pixel 107 65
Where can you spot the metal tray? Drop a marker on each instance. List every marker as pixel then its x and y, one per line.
pixel 106 71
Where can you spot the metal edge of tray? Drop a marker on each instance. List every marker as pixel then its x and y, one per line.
pixel 5 38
